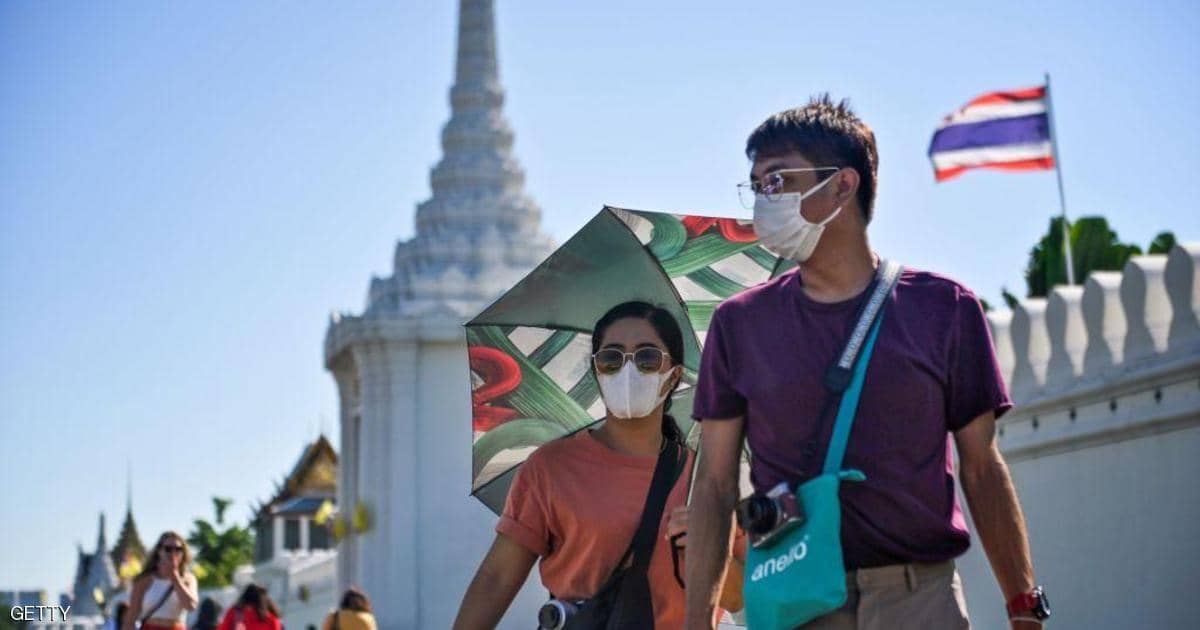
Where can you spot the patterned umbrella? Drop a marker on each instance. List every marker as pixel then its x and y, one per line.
pixel 530 351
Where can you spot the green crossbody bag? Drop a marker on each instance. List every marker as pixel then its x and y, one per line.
pixel 800 575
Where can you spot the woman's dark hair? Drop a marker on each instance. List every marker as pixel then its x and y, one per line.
pixel 827 134
pixel 256 597
pixel 668 330
pixel 208 616
pixel 354 599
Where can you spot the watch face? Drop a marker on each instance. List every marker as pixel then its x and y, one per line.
pixel 1042 612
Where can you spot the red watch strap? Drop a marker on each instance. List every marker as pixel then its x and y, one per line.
pixel 1023 603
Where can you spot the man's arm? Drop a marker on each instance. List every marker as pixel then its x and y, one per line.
pixel 994 506
pixel 714 493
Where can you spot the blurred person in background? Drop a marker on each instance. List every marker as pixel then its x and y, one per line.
pixel 165 591
pixel 353 613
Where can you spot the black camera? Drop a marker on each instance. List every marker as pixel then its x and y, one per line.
pixel 766 517
pixel 555 613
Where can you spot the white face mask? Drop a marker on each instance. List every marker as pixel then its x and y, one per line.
pixel 632 394
pixel 783 230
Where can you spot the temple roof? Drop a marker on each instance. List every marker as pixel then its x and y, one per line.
pixel 94 572
pixel 129 544
pixel 313 478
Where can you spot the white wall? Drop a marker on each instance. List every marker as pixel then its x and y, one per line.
pixel 1104 447
pixel 455 530
pixel 428 535
pixel 1113 533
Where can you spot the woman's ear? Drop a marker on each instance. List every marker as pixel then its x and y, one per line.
pixel 678 377
pixel 671 381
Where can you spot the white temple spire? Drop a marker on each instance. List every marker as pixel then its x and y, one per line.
pixel 478 233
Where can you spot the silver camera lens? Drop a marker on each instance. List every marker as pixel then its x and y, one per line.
pixel 554 614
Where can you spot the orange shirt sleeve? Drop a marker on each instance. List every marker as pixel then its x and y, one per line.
pixel 526 518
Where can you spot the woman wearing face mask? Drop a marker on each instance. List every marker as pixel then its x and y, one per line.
pixel 165 591
pixel 576 502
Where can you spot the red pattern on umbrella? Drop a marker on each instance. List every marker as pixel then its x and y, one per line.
pixel 735 231
pixel 696 226
pixel 501 374
pixel 732 230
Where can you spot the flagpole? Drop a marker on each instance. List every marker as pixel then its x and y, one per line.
pixel 1062 203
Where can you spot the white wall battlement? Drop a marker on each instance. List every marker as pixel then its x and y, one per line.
pixel 1104 445
pixel 1115 324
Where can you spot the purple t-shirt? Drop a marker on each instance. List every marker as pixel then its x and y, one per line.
pixel 933 371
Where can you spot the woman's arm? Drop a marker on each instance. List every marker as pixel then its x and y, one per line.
pixel 496 583
pixel 185 586
pixel 328 623
pixel 136 594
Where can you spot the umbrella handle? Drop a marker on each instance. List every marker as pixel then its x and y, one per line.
pixel 692 477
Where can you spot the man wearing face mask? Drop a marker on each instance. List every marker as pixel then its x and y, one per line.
pixel 931 382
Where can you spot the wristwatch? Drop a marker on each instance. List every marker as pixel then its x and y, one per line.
pixel 1031 605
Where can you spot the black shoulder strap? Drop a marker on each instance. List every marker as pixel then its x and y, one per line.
pixel 666 473
pixel 161 600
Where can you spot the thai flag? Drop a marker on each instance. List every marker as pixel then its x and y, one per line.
pixel 1001 130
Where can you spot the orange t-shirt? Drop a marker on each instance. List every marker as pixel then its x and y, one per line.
pixel 576 503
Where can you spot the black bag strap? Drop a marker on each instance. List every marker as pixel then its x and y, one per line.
pixel 159 604
pixel 666 473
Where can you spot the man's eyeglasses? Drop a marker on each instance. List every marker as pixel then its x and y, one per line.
pixel 774 184
pixel 647 360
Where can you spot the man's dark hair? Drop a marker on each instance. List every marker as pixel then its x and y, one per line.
pixel 826 134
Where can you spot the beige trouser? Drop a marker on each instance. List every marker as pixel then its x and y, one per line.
pixel 899 597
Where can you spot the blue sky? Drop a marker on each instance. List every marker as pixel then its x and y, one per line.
pixel 187 191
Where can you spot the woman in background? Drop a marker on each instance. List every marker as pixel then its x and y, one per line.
pixel 254 610
pixel 208 616
pixel 165 591
pixel 354 613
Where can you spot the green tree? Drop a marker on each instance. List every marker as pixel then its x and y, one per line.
pixel 1094 247
pixel 6 620
pixel 219 552
pixel 1011 300
pixel 1162 243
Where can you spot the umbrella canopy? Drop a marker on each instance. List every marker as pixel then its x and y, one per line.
pixel 530 351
